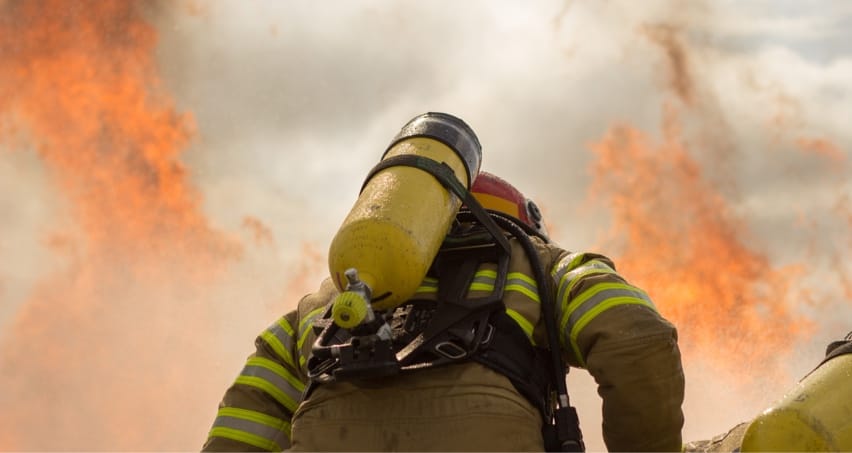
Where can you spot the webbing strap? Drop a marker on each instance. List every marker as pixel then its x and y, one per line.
pixel 837 348
pixel 566 434
pixel 440 170
pixel 511 354
pixel 447 177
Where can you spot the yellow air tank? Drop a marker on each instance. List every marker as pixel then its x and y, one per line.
pixel 814 416
pixel 399 220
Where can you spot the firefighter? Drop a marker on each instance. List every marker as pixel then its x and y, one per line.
pixel 493 395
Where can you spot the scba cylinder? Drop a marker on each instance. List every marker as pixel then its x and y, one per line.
pixel 814 416
pixel 399 220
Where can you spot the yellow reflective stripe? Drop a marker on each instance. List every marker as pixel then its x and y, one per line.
pixel 481 287
pixel 258 417
pixel 523 290
pixel 520 276
pixel 268 387
pixel 525 325
pixel 570 279
pixel 253 423
pixel 586 295
pixel 428 285
pixel 305 331
pixel 310 318
pixel 601 296
pixel 523 284
pixel 592 267
pixel 279 348
pixel 486 273
pixel 567 263
pixel 515 281
pixel 244 437
pixel 271 336
pixel 284 324
pixel 273 379
pixel 277 369
pixel 483 280
pixel 598 309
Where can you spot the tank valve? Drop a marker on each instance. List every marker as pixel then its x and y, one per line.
pixel 352 306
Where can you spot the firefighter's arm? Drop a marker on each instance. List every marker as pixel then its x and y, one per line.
pixel 612 329
pixel 255 413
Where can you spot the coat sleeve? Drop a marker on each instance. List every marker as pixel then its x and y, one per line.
pixel 612 329
pixel 255 413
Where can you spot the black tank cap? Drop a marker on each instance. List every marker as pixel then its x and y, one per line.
pixel 448 130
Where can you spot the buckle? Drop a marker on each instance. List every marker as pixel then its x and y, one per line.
pixel 487 335
pixel 450 350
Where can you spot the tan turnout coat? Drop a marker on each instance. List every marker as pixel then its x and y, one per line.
pixel 607 326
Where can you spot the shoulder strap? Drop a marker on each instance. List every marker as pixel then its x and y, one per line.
pixel 563 431
pixel 445 175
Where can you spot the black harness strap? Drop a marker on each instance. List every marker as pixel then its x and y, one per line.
pixel 445 175
pixel 470 328
pixel 563 432
pixel 461 324
pixel 511 354
pixel 837 348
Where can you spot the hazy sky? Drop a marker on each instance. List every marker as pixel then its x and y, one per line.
pixel 290 96
pixel 293 102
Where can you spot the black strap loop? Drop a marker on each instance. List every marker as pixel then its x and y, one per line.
pixel 440 170
pixel 447 177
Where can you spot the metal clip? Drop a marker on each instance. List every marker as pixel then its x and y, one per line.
pixel 450 350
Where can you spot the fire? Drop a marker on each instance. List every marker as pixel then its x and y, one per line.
pixel 94 359
pixel 679 236
pixel 683 243
pixel 824 148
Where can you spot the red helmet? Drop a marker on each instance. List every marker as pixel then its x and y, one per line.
pixel 494 193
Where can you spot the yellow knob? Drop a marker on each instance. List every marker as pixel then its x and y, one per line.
pixel 350 308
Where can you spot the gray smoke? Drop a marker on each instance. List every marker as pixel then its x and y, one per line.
pixel 295 101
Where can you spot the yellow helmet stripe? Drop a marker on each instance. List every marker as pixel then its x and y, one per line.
pixel 494 203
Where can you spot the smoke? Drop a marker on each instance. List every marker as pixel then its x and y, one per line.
pixel 170 177
pixel 97 355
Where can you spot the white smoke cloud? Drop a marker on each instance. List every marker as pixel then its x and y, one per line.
pixel 295 101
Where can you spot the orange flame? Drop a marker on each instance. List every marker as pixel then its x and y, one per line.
pixel 90 355
pixel 684 245
pixel 824 148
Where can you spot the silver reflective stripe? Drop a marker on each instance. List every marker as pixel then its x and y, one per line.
pixel 592 302
pixel 273 379
pixel 280 337
pixel 253 428
pixel 567 263
pixel 567 277
pixel 599 297
pixel 483 280
pixel 523 284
